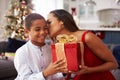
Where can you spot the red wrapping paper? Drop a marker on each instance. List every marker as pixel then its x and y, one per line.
pixel 70 52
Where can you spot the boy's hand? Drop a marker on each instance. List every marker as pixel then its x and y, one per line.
pixel 55 68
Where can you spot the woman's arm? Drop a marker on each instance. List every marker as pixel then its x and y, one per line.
pixel 100 50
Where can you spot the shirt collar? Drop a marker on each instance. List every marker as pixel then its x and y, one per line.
pixel 37 46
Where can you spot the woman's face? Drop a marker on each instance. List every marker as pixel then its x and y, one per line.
pixel 38 32
pixel 55 26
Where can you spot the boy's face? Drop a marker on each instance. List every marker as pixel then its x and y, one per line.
pixel 38 32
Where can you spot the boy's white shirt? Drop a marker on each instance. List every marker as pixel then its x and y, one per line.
pixel 31 60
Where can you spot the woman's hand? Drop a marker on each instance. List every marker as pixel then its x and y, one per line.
pixel 83 70
pixel 55 67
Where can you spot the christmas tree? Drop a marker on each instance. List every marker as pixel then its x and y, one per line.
pixel 19 9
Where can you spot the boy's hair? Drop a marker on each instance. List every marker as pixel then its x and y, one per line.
pixel 30 18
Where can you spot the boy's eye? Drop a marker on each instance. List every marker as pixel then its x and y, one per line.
pixel 37 29
pixel 45 27
pixel 48 22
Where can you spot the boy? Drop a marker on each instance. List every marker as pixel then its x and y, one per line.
pixel 33 60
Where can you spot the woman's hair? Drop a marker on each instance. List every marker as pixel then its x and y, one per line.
pixel 30 18
pixel 66 18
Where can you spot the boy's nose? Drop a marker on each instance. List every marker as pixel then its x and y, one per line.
pixel 43 32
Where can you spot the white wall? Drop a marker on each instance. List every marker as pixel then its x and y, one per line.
pixel 45 6
pixel 106 4
pixel 4 5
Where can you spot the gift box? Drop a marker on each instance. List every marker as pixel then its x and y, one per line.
pixel 70 52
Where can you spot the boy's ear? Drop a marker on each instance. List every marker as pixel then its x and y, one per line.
pixel 61 22
pixel 26 32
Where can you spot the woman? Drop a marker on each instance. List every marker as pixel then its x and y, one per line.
pixel 98 58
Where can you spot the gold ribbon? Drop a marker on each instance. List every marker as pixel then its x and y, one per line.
pixel 64 38
pixel 60 52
